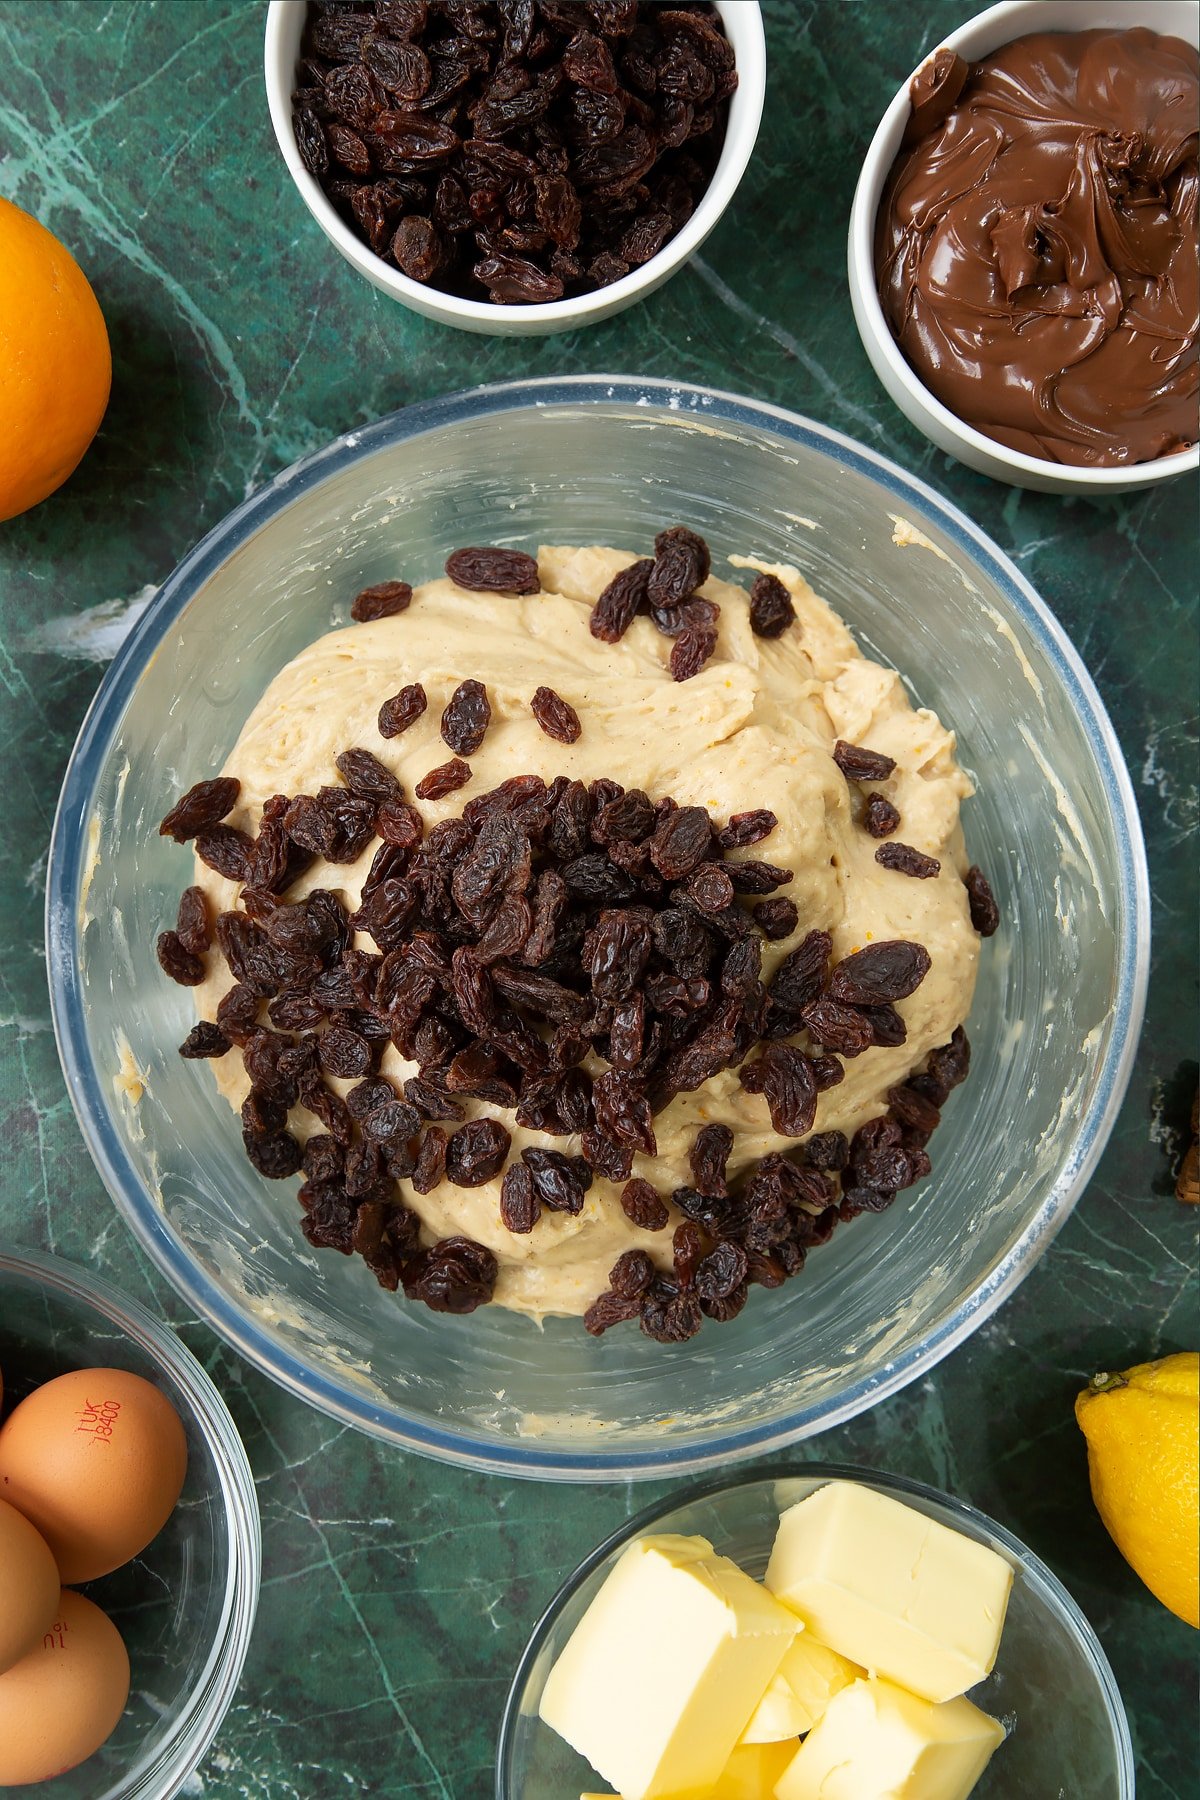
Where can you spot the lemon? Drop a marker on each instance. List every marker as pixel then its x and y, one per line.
pixel 1143 1436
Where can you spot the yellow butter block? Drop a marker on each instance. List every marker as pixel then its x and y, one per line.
pixel 891 1589
pixel 815 1673
pixel 658 1679
pixel 752 1771
pixel 877 1742
pixel 778 1715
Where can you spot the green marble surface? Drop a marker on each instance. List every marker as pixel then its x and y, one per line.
pixel 397 1594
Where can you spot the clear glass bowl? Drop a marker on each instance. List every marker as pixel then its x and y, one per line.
pixel 1051 1687
pixel 186 1605
pixel 1056 1015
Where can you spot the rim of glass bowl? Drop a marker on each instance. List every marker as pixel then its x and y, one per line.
pixel 208 1701
pixel 1034 1569
pixel 68 850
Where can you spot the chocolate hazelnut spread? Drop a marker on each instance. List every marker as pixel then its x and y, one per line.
pixel 1035 246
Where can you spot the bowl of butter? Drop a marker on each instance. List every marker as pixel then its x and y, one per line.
pixel 837 1634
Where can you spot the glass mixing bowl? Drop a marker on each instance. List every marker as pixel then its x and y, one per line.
pixel 185 1607
pixel 1051 1686
pixel 1056 1014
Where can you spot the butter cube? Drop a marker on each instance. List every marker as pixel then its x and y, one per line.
pixel 877 1742
pixel 890 1589
pixel 778 1715
pixel 815 1673
pixel 752 1771
pixel 658 1679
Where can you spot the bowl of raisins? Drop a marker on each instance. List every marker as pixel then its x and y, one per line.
pixel 593 460
pixel 520 168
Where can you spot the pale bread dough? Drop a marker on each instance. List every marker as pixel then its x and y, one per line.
pixel 754 729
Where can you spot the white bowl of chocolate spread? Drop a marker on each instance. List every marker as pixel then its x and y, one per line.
pixel 1022 256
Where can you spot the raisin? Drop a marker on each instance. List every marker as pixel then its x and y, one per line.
pixel 827 1073
pixel 381 601
pixel 456 1276
pixel 227 850
pixel 691 650
pixel 443 780
pixel 431 1161
pixel 835 1027
pixel 476 1152
pixel 492 571
pixel 801 975
pixel 276 1154
pixel 913 1110
pixel 880 817
pixel 883 972
pixel 430 1100
pixel 642 1206
pixel 753 877
pixel 887 1027
pixel 776 918
pixel 237 1013
pixel 828 1150
pixel 191 922
pixel 181 964
pixel 402 710
pixel 203 1040
pixel 610 1309
pixel 689 615
pixel 771 607
pixel 857 763
pixel 200 808
pixel 519 1206
pixel 681 842
pixel 721 1273
pixel 681 565
pixel 393 1123
pixel 708 1156
pixel 626 818
pixel 557 1183
pixel 985 914
pixel 366 776
pixel 342 1053
pixel 907 861
pixel 671 1318
pixel 466 718
pixel 747 828
pixel 323 1159
pixel 619 603
pixel 557 718
pixel 783 1076
pixel 710 888
pixel 631 1275
pixel 619 950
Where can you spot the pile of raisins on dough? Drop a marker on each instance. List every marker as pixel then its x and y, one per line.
pixel 571 956
pixel 513 151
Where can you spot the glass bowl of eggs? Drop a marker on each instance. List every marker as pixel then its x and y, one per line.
pixel 117 1450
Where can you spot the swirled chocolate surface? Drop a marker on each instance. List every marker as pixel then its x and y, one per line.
pixel 1035 246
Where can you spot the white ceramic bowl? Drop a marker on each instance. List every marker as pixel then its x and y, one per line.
pixel 743 24
pixel 986 32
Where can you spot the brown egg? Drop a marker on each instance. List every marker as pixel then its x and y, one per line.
pixel 96 1460
pixel 63 1700
pixel 29 1586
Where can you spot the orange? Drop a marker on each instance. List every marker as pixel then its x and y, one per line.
pixel 55 363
